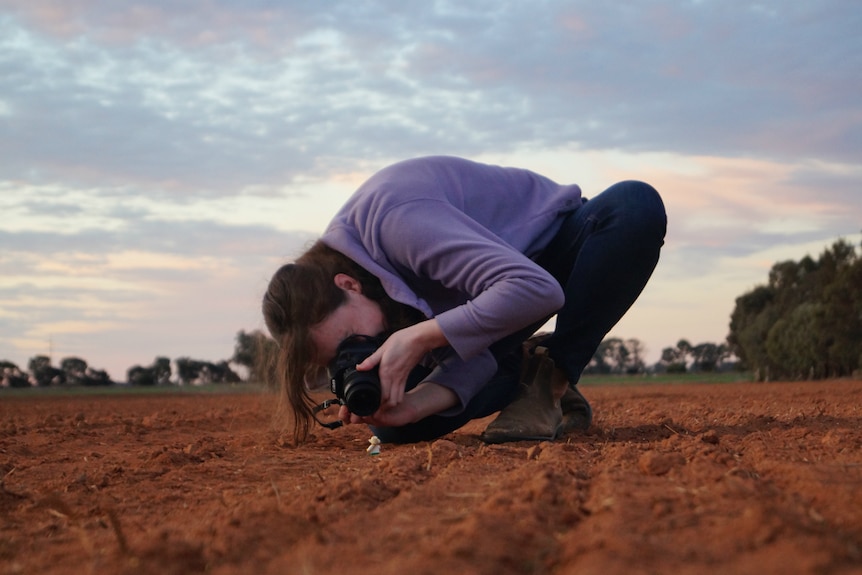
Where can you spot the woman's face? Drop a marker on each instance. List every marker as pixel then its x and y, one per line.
pixel 358 315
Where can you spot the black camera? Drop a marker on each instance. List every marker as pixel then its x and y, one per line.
pixel 360 391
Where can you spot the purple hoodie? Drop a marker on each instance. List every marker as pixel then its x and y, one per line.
pixel 456 240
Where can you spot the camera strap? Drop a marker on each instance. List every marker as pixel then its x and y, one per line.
pixel 326 405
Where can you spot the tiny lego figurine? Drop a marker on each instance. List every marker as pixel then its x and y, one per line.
pixel 374 448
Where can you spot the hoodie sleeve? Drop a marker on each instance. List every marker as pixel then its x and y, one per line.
pixel 501 289
pixel 464 378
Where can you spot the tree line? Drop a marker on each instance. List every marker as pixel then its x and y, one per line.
pixel 805 323
pixel 626 356
pixel 248 351
pixel 255 352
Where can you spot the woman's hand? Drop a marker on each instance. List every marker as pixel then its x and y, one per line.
pixel 425 399
pixel 402 414
pixel 398 355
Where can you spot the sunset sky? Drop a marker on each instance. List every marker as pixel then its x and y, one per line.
pixel 159 160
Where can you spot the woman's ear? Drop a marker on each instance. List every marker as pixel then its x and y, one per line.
pixel 348 283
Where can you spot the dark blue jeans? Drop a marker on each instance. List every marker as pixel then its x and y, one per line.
pixel 603 256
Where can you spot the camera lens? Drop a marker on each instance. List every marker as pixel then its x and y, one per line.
pixel 362 393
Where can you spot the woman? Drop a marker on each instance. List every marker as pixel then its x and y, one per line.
pixel 456 264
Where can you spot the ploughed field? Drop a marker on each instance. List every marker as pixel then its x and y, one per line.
pixel 694 478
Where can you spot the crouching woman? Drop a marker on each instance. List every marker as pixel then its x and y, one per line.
pixel 451 266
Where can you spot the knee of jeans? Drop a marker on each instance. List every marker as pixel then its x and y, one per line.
pixel 643 194
pixel 646 206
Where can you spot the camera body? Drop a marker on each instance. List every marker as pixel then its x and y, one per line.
pixel 360 391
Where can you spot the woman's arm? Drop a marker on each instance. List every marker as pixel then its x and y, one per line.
pixel 494 289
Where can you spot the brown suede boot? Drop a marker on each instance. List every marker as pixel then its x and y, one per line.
pixel 577 413
pixel 536 414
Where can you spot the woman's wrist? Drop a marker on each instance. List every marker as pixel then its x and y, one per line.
pixel 429 398
pixel 428 335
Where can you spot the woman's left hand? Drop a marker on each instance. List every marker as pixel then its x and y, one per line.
pixel 402 414
pixel 425 399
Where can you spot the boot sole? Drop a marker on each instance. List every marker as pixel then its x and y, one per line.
pixel 496 438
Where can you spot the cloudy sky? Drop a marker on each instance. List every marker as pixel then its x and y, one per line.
pixel 158 160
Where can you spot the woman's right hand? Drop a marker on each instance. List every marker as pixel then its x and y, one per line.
pixel 399 354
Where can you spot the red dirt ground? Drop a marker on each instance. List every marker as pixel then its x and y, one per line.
pixel 733 478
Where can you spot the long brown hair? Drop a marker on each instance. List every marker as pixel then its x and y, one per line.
pixel 301 295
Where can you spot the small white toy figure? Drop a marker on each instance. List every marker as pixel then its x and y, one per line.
pixel 374 448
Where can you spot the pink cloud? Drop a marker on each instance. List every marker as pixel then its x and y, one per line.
pixel 195 23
